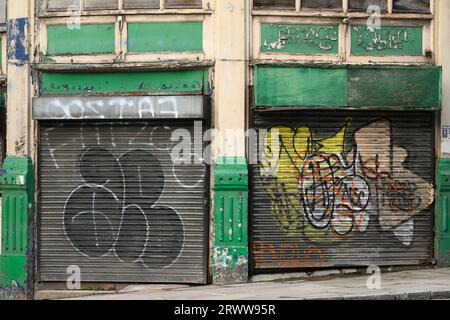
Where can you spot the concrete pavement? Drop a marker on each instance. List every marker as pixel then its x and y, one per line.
pixel 430 283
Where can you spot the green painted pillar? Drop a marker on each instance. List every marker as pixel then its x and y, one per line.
pixel 442 227
pixel 17 187
pixel 230 254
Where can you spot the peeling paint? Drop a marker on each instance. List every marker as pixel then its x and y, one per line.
pixel 17 41
pixel 293 38
pixel 230 265
pixel 20 145
pixel 13 292
pixel 387 40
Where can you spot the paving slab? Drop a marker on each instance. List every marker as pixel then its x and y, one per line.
pixel 420 284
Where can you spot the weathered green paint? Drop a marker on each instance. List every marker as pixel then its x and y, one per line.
pixel 165 37
pixel 87 39
pixel 442 216
pixel 189 81
pixel 12 278
pixel 407 87
pixel 231 202
pixel 13 270
pixel 293 86
pixel 230 253
pixel 365 87
pixel 300 38
pixel 17 184
pixel 231 208
pixel 387 40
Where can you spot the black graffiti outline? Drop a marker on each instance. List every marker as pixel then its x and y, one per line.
pixel 332 190
pixel 124 207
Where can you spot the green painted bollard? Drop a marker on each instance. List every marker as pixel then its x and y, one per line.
pixel 17 187
pixel 442 228
pixel 230 254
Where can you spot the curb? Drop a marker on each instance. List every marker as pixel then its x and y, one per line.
pixel 424 295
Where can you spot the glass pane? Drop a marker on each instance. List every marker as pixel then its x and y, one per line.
pixel 330 5
pixel 274 4
pixel 183 3
pixel 141 4
pixel 62 5
pixel 362 5
pixel 100 4
pixel 412 6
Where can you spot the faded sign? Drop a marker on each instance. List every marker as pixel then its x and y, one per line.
pixel 299 38
pixel 120 107
pixel 387 41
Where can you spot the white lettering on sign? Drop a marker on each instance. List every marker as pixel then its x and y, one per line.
pixel 147 107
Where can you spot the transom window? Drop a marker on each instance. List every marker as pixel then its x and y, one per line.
pixel 68 5
pixel 398 6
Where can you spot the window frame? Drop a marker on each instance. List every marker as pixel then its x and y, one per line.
pixel 42 11
pixel 121 54
pixel 345 11
pixel 345 20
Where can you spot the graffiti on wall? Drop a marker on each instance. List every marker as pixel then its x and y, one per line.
pixel 121 195
pixel 320 190
pixel 119 107
pixel 287 255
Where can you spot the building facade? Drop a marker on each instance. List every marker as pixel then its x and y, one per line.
pixel 206 141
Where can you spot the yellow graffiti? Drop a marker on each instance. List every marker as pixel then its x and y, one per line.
pixel 285 151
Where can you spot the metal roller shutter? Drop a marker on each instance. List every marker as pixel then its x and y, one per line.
pixel 114 204
pixel 342 189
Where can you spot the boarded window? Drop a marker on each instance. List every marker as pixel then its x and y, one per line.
pixel 183 3
pixel 100 4
pixel 363 5
pixel 271 4
pixel 333 5
pixel 419 6
pixel 141 4
pixel 62 5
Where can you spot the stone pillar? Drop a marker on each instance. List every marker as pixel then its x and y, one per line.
pixel 19 35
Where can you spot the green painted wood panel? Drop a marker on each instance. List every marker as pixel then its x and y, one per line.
pixel 88 39
pixel 387 41
pixel 165 37
pixel 190 81
pixel 407 87
pixel 292 86
pixel 299 38
pixel 364 87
